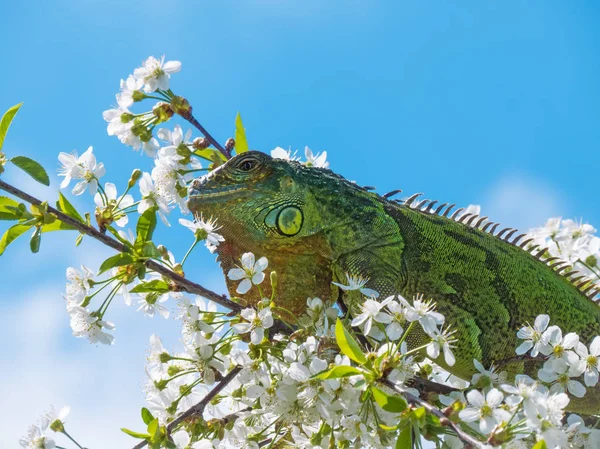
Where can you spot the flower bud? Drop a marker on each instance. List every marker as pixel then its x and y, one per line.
pixel 230 144
pixel 135 176
pixel 126 117
pixel 57 426
pixel 138 95
pixel 591 260
pixel 200 143
pixel 273 279
pixel 181 106
pixel 162 111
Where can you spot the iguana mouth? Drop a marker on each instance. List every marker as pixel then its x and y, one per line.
pixel 212 193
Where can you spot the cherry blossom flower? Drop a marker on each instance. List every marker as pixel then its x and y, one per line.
pixel 113 206
pixel 251 272
pixel 204 230
pixel 485 409
pixel 82 167
pixel 591 361
pixel 357 283
pixel 371 311
pixel 151 304
pixel 256 323
pixel 156 73
pixel 280 153
pixel 316 160
pixel 536 337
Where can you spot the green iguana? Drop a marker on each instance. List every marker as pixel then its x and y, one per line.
pixel 314 227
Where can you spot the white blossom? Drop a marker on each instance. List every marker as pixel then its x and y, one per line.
pixel 82 167
pixel 255 323
pixel 155 73
pixel 204 230
pixel 251 272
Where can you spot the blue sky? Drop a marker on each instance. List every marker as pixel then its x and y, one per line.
pixel 487 103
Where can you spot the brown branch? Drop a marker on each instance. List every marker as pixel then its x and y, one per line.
pixel 198 409
pixel 428 386
pixel 469 440
pixel 187 115
pixel 185 284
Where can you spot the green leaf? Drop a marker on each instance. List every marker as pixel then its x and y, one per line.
pixel 141 436
pixel 78 240
pixel 153 427
pixel 155 285
pixel 36 239
pixel 10 209
pixel 7 118
pixel 348 344
pixel 117 260
pixel 339 371
pixel 145 227
pixel 241 144
pixel 388 402
pixel 67 208
pixel 147 416
pixel 151 251
pixel 540 445
pixel 32 168
pixel 210 154
pixel 404 439
pixel 57 225
pixel 11 234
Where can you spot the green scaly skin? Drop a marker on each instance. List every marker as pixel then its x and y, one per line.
pixel 314 227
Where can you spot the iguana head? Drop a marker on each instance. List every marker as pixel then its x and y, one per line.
pixel 268 206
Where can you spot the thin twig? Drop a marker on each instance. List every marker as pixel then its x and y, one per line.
pixel 427 386
pixel 198 409
pixel 180 281
pixel 411 398
pixel 190 118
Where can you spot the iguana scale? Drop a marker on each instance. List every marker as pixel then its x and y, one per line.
pixel 314 227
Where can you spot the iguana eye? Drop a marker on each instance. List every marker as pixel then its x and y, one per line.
pixel 247 165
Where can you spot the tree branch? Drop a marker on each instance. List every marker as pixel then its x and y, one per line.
pixel 185 284
pixel 469 440
pixel 190 118
pixel 198 409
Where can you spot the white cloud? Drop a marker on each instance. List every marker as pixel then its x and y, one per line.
pixel 521 201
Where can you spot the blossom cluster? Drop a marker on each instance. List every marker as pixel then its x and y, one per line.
pixel 571 241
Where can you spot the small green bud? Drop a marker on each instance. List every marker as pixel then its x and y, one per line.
pixel 200 143
pixel 178 269
pixel 181 106
pixel 200 235
pixel 184 151
pixel 164 357
pixel 162 111
pixel 135 176
pixel 161 384
pixel 57 426
pixel 138 95
pixel 126 117
pixel 591 260
pixel 145 135
pixel 173 370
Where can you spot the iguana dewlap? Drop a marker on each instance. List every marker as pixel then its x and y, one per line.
pixel 314 227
